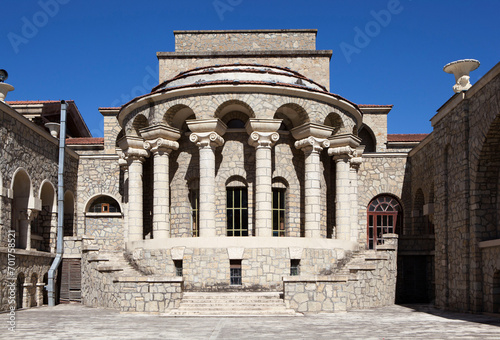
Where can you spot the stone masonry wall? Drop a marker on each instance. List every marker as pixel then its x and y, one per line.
pixel 491 265
pixel 190 41
pixel 207 269
pixel 27 263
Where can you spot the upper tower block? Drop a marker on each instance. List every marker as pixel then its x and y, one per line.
pixel 295 49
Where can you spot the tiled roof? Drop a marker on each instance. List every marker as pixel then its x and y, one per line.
pixel 85 141
pixel 414 137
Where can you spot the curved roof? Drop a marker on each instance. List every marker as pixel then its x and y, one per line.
pixel 236 73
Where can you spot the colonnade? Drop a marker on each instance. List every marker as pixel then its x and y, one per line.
pixel 160 140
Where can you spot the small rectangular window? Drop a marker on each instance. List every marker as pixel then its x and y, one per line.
pixel 235 272
pixel 178 267
pixel 105 207
pixel 294 267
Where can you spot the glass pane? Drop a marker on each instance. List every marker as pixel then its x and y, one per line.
pixel 229 219
pixel 391 220
pixel 244 198
pixel 282 199
pixel 229 198
pixel 370 232
pixel 237 219
pixel 379 220
pixel 370 220
pixel 237 198
pixel 275 199
pixel 384 223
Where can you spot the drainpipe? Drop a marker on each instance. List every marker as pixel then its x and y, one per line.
pixel 60 207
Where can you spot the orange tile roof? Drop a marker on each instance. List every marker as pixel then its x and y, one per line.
pixel 411 137
pixel 85 141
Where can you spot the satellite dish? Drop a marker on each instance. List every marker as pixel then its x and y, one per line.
pixel 3 76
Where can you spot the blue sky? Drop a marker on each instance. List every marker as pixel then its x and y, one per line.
pixel 103 53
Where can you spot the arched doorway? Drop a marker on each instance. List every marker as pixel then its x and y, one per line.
pixel 22 191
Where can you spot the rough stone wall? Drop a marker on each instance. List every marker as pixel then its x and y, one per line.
pixel 27 263
pixel 190 41
pixel 111 130
pixel 316 67
pixel 97 287
pixel 106 231
pixel 378 124
pixel 207 269
pixel 316 295
pixel 491 265
pixel 377 175
pixel 149 295
pixel 25 146
pixel 96 176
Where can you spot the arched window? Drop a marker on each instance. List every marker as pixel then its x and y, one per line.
pixel 279 212
pixel 384 217
pixel 104 204
pixel 235 124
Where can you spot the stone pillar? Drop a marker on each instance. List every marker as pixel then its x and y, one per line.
pixel 133 148
pixel 122 162
pixel 27 295
pixel 343 209
pixel 206 134
pixel 39 294
pixel 353 176
pixel 263 136
pixel 311 138
pixel 312 148
pixel 135 211
pixel 161 148
pixel 25 218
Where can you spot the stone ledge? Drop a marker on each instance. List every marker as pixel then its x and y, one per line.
pixel 106 268
pixel 362 266
pixel 18 251
pixel 490 243
pixel 260 53
pixel 90 248
pixel 375 257
pixel 383 247
pixel 148 279
pixel 316 278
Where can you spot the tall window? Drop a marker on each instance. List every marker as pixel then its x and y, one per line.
pixel 278 212
pixel 194 197
pixel 237 211
pixel 383 218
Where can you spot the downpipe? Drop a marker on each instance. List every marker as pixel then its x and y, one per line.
pixel 60 208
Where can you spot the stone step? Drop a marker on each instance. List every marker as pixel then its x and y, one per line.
pixel 231 313
pixel 213 304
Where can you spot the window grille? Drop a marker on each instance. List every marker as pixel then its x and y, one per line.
pixel 235 272
pixel 237 212
pixel 294 267
pixel 278 212
pixel 178 267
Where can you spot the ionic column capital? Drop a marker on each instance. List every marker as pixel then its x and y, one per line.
pixel 263 139
pixel 341 152
pixel 28 214
pixel 161 145
pixel 312 144
pixel 206 139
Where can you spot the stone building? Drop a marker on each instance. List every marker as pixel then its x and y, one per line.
pixel 241 178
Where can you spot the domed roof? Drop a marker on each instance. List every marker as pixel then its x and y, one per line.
pixel 240 73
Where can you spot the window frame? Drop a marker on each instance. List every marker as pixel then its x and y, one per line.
pixel 237 213
pixel 384 216
pixel 279 210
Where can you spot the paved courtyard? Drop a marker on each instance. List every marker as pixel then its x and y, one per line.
pixel 74 321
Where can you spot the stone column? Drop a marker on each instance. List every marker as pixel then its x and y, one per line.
pixel 25 218
pixel 263 136
pixel 353 176
pixel 39 294
pixel 135 211
pixel 161 148
pixel 311 138
pixel 343 208
pixel 206 134
pixel 133 148
pixel 26 303
pixel 312 148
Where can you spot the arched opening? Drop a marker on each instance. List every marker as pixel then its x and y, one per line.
pixel 104 204
pixel 385 216
pixel 33 292
pixel 139 123
pixel 234 109
pixel 293 115
pixel 177 115
pixel 45 294
pixel 19 290
pixel 69 214
pixel 22 191
pixel 367 139
pixel 335 121
pixel 45 224
pixel 194 202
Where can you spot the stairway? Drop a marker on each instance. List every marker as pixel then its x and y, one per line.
pixel 231 304
pixel 114 262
